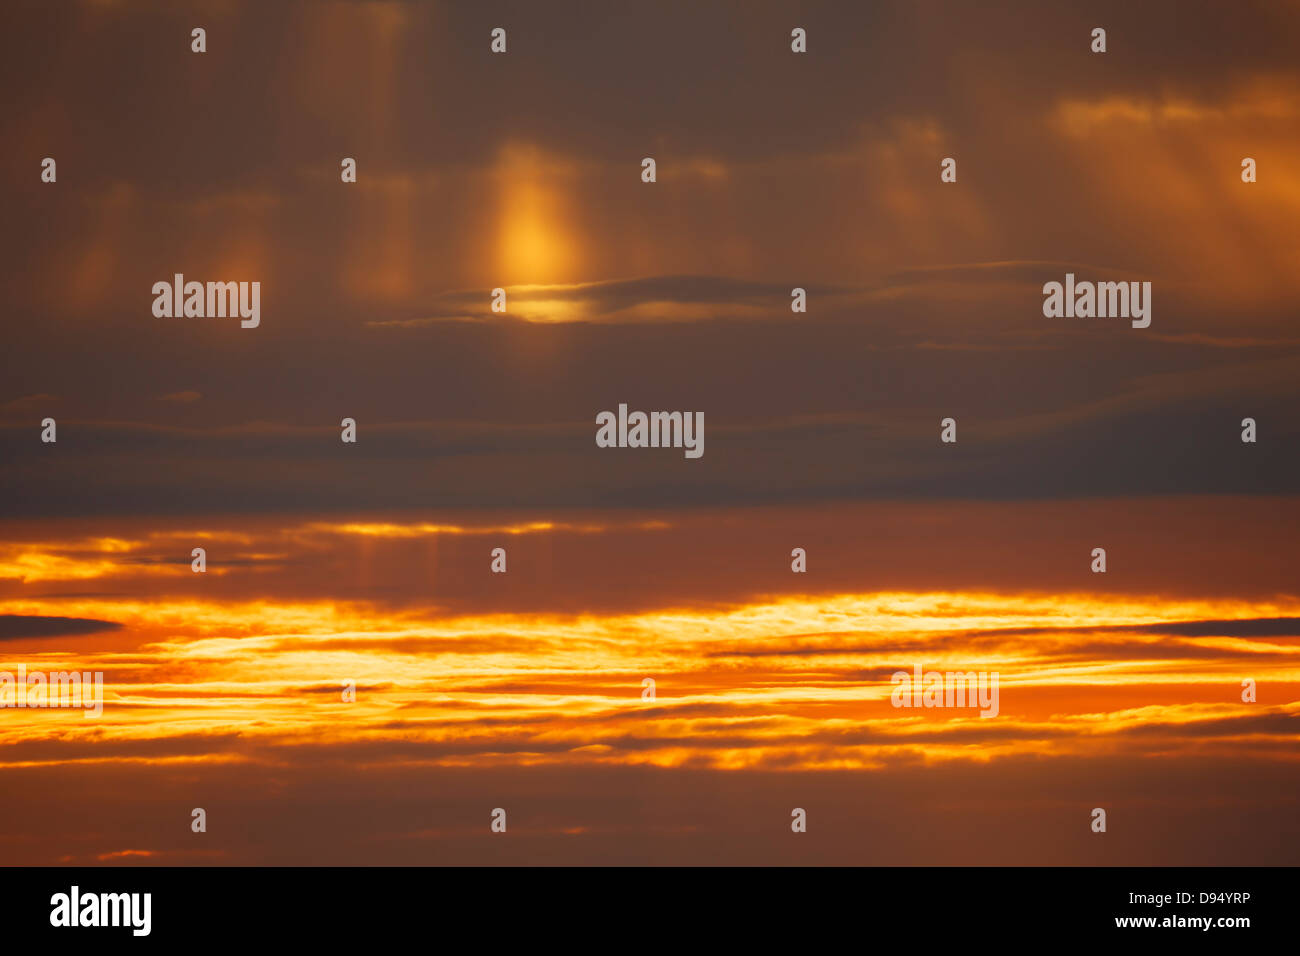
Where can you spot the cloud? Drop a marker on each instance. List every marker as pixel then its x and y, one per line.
pixel 28 402
pixel 18 626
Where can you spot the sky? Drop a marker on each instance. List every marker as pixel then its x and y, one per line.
pixel 370 562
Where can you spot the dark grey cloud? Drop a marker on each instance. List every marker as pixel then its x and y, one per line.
pixel 133 469
pixel 171 161
pixel 668 71
pixel 18 626
pixel 1234 810
pixel 1235 627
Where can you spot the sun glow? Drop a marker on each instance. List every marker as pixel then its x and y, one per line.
pixel 535 242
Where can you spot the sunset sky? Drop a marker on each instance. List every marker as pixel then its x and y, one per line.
pixel 369 562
